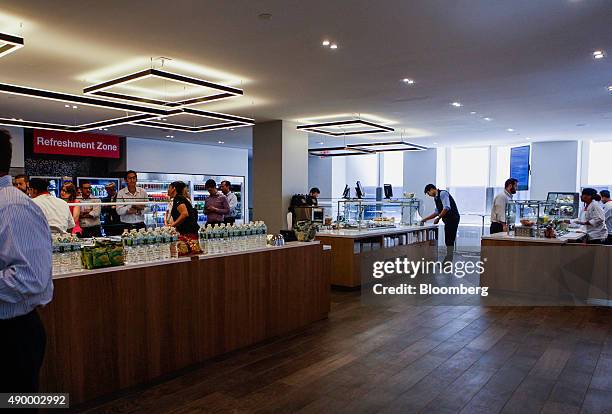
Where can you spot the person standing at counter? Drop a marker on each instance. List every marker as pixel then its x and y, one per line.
pixel 313 197
pixel 232 200
pixel 68 193
pixel 498 209
pixel 446 210
pixel 132 216
pixel 184 216
pixel 607 208
pixel 25 281
pixel 55 209
pixel 215 205
pixel 21 182
pixel 89 218
pixel 112 222
pixel 594 218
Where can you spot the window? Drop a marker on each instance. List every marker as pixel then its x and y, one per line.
pixel 599 164
pixel 469 167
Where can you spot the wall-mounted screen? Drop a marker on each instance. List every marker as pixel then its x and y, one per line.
pixel 519 166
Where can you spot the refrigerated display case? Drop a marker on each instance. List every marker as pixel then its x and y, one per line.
pixel 529 218
pixel 200 194
pixel 98 185
pixel 55 184
pixel 364 214
pixel 565 205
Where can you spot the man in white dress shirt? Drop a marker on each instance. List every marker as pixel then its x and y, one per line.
pixel 132 216
pixel 232 200
pixel 25 282
pixel 55 209
pixel 498 209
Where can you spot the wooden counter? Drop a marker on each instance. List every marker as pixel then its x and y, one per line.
pixel 547 271
pixel 355 251
pixel 124 326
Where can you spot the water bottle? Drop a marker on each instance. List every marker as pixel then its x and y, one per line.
pixel 55 261
pixel 264 232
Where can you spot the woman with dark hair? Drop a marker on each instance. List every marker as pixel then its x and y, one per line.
pixel 184 216
pixel 594 218
pixel 68 193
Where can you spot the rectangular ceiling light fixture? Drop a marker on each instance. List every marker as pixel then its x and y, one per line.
pixel 368 148
pixel 389 146
pixel 102 89
pixel 231 121
pixel 9 43
pixel 367 127
pixel 142 115
pixel 338 151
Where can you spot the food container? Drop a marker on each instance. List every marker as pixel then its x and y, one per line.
pixel 103 254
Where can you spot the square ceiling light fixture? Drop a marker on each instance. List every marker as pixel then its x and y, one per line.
pixel 220 91
pixel 368 148
pixel 140 113
pixel 348 127
pixel 389 146
pixel 230 121
pixel 338 151
pixel 9 43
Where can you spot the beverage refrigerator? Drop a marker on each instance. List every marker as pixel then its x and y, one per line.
pixel 200 194
pixel 55 184
pixel 98 185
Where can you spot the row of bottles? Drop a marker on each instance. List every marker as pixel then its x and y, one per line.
pixel 232 238
pixel 66 254
pixel 142 246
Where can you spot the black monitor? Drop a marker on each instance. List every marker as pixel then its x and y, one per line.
pixel 347 192
pixel 388 190
pixel 359 190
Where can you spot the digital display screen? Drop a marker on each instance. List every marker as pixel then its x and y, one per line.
pixel 519 166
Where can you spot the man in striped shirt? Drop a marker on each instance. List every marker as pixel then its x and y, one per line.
pixel 25 281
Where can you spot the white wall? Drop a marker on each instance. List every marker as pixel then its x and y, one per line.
pixel 362 168
pixel 17 141
pixel 148 155
pixel 339 177
pixel 553 167
pixel 420 169
pixel 320 175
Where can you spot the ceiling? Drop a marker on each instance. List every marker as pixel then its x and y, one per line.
pixel 525 64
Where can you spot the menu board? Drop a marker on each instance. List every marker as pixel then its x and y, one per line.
pixel 519 166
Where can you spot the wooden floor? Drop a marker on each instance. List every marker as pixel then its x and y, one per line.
pixel 406 359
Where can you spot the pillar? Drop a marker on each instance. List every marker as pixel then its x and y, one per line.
pixel 280 170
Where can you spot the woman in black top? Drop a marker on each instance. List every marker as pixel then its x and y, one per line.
pixel 184 216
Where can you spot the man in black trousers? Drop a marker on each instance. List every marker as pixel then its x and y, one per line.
pixel 446 210
pixel 25 282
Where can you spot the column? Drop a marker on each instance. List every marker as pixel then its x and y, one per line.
pixel 280 170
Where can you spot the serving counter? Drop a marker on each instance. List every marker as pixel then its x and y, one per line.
pixel 538 271
pixel 354 251
pixel 113 328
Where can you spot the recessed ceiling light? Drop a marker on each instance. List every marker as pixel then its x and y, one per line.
pixel 221 142
pixel 333 46
pixel 599 54
pixel 320 142
pixel 169 136
pixel 473 112
pixel 610 88
pixel 528 139
pixel 74 107
pixel 510 130
pixel 265 16
pixel 435 143
pixel 67 106
pixel 408 81
pixel 232 129
pixel 487 118
pixel 456 104
pixel 326 43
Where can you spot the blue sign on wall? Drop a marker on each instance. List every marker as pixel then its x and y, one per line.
pixel 519 166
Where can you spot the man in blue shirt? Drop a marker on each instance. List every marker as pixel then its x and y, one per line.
pixel 446 210
pixel 25 281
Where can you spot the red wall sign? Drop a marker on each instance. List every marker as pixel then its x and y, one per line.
pixel 79 144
